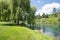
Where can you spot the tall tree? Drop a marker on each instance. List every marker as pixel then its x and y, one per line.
pixel 0 9
pixel 15 5
pixel 4 7
pixel 43 15
pixel 55 12
pixel 18 10
pixel 32 17
pixel 18 15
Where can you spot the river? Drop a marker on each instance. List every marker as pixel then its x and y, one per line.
pixel 49 29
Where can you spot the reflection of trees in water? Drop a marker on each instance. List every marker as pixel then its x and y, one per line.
pixel 59 25
pixel 44 27
pixel 40 27
pixel 57 32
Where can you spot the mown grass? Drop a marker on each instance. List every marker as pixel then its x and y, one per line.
pixel 21 33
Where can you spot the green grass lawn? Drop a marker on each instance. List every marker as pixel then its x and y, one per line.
pixel 21 33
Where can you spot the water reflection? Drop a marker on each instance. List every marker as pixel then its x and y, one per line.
pixel 49 29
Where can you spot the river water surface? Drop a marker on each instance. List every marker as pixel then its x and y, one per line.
pixel 49 29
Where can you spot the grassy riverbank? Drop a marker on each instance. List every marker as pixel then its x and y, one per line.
pixel 21 33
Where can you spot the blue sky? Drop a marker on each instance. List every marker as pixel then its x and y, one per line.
pixel 38 4
pixel 42 3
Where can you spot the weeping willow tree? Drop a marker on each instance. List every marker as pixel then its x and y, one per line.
pixel 22 8
pixel 0 9
pixel 16 11
pixel 14 7
pixel 4 10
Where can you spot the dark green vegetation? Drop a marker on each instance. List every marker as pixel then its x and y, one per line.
pixel 17 11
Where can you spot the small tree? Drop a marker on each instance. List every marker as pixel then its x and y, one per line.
pixel 39 16
pixel 47 16
pixel 43 15
pixel 55 12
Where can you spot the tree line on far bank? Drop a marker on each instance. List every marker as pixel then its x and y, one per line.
pixel 55 13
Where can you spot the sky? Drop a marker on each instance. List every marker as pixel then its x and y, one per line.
pixel 45 6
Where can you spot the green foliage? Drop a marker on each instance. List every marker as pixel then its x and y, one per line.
pixel 15 9
pixel 54 10
pixel 43 16
pixel 59 19
pixel 31 17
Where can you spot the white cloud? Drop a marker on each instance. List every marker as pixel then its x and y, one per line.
pixel 38 1
pixel 39 12
pixel 48 8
